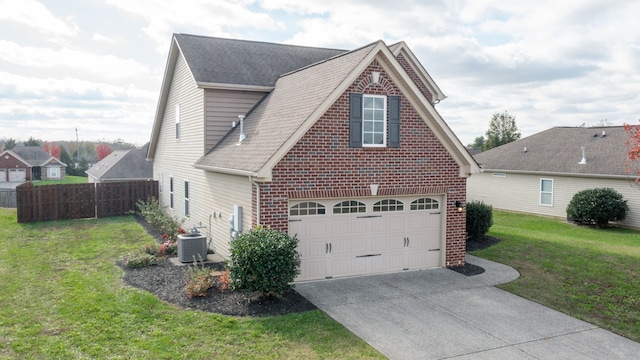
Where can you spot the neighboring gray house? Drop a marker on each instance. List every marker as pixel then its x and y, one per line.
pixel 540 173
pixel 342 148
pixel 30 163
pixel 122 165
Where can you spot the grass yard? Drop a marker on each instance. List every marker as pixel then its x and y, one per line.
pixel 592 274
pixel 61 296
pixel 67 180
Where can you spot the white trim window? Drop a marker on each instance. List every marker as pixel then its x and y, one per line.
pixel 171 192
pixel 177 121
pixel 186 198
pixel 374 120
pixel 546 192
pixel 53 172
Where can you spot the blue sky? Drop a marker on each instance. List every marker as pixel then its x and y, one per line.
pixel 97 65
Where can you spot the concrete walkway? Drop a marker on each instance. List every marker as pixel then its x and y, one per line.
pixel 441 314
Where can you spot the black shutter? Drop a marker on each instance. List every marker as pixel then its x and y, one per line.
pixel 394 121
pixel 355 120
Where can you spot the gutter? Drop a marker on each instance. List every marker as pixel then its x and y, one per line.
pixel 580 175
pixel 219 86
pixel 227 170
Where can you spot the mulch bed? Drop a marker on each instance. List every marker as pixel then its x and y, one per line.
pixel 167 282
pixel 473 245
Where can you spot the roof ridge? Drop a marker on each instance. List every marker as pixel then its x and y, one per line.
pixel 259 42
pixel 346 53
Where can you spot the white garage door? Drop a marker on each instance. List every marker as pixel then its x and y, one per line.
pixel 3 175
pixel 346 237
pixel 17 175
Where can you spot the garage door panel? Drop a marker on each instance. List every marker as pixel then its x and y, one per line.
pixel 348 244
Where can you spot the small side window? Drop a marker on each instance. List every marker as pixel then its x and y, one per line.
pixel 349 207
pixel 546 192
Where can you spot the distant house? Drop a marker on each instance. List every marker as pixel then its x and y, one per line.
pixel 122 165
pixel 30 163
pixel 541 173
pixel 342 148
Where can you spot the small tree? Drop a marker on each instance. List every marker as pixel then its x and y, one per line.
pixel 478 143
pixel 633 148
pixel 502 130
pixel 479 219
pixel 265 261
pixel 9 144
pixel 103 150
pixel 597 207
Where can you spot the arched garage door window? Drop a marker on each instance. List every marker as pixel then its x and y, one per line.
pixel 349 207
pixel 307 208
pixel 387 205
pixel 425 204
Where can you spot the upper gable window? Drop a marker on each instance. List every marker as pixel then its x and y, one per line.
pixel 374 120
pixel 349 206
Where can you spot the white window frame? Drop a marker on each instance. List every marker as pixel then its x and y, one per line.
pixel 177 121
pixel 546 192
pixel 186 198
pixel 53 172
pixel 365 120
pixel 171 192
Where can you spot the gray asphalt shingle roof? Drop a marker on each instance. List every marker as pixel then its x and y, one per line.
pixel 277 117
pixel 34 155
pixel 123 164
pixel 245 62
pixel 558 150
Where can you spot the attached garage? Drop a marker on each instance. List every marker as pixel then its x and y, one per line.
pixel 17 175
pixel 348 237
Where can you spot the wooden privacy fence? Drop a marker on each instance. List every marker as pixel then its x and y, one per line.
pixel 78 201
pixel 8 198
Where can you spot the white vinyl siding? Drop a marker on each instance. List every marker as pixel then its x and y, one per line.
pixel 521 193
pixel 221 109
pixel 546 192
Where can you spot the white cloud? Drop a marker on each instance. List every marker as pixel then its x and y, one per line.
pixel 108 66
pixel 103 38
pixel 34 14
pixel 219 18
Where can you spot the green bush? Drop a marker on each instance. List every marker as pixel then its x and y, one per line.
pixel 264 260
pixel 139 259
pixel 157 217
pixel 597 207
pixel 479 219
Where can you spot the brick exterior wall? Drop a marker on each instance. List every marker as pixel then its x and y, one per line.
pixel 323 165
pixel 10 162
pixel 414 76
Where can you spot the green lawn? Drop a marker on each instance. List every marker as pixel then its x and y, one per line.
pixel 67 180
pixel 592 274
pixel 61 296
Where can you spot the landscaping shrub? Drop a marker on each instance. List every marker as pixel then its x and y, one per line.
pixel 264 260
pixel 139 259
pixel 479 219
pixel 199 279
pixel 157 217
pixel 597 207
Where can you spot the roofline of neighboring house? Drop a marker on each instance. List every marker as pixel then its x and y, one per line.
pixel 18 157
pixel 552 173
pixel 221 86
pixel 222 170
pixel 122 179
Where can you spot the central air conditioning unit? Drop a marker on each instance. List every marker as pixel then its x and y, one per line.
pixel 192 247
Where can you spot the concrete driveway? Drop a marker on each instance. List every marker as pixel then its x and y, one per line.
pixel 440 314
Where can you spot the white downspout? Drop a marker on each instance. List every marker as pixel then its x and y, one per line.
pixel 257 199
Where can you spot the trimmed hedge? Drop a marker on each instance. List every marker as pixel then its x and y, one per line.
pixel 264 260
pixel 479 219
pixel 597 207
